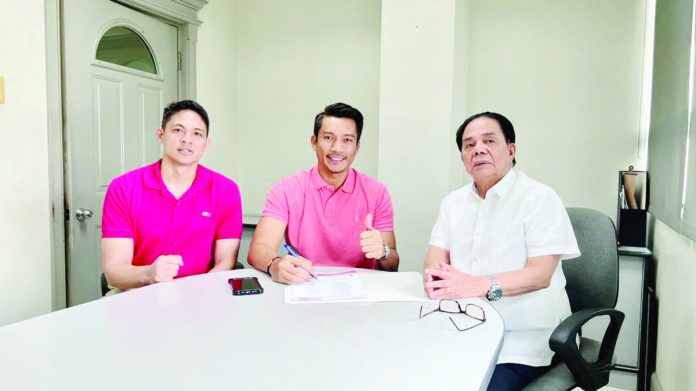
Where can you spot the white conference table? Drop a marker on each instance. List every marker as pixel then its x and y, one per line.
pixel 193 334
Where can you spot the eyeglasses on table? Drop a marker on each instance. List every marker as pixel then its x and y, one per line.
pixel 453 307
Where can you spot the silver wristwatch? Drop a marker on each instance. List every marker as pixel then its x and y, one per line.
pixel 387 252
pixel 495 292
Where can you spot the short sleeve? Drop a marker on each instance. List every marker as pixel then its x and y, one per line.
pixel 548 230
pixel 117 221
pixel 383 219
pixel 277 203
pixel 230 224
pixel 440 234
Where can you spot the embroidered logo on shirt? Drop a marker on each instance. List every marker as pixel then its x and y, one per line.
pixel 205 214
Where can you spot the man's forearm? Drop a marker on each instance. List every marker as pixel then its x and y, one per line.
pixel 128 276
pixel 536 275
pixel 226 252
pixel 260 256
pixel 223 265
pixel 521 281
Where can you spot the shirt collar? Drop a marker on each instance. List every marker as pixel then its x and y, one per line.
pixel 502 188
pixel 152 179
pixel 318 182
pixel 202 180
pixel 505 185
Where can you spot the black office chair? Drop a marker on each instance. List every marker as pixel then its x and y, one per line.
pixel 239 265
pixel 104 285
pixel 592 283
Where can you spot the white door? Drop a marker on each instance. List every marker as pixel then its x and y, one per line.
pixel 120 70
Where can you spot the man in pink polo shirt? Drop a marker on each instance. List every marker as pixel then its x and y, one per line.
pixel 331 214
pixel 173 218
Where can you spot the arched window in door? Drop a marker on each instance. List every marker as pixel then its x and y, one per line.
pixel 122 46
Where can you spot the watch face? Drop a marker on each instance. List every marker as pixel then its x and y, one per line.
pixel 494 294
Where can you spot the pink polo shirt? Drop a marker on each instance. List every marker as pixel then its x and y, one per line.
pixel 324 226
pixel 139 206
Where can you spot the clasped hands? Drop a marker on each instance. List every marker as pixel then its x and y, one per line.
pixel 447 282
pixel 293 270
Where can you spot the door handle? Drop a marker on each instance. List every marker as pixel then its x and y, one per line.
pixel 83 214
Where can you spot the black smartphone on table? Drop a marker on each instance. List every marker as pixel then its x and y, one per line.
pixel 245 286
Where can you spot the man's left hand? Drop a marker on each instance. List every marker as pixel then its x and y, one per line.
pixel 371 240
pixel 447 282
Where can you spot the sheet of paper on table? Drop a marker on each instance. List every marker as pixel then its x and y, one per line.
pixel 328 287
pixel 399 286
pixel 353 287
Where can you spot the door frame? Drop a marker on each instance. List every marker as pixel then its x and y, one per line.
pixel 181 13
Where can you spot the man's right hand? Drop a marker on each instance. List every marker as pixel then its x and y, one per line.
pixel 291 270
pixel 165 268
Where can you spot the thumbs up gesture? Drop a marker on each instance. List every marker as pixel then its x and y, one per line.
pixel 371 240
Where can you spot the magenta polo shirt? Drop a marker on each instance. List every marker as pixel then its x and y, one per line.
pixel 324 226
pixel 139 206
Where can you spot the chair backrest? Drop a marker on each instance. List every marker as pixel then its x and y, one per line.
pixel 592 280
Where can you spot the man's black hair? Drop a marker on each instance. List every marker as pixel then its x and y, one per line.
pixel 503 122
pixel 175 107
pixel 339 110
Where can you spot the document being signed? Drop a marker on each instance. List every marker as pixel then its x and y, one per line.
pixel 353 286
pixel 345 286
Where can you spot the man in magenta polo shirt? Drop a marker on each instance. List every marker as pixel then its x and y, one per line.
pixel 173 218
pixel 331 214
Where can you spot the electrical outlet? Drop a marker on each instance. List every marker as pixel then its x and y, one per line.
pixel 2 90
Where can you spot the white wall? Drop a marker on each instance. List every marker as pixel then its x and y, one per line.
pixel 568 76
pixel 215 78
pixel 281 63
pixel 675 263
pixel 417 60
pixel 25 280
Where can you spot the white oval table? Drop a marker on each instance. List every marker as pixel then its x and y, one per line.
pixel 193 334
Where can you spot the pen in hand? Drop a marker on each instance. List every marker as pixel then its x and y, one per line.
pixel 294 253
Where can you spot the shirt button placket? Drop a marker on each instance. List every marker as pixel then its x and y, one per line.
pixel 481 226
pixel 329 204
pixel 173 218
pixel 177 214
pixel 478 226
pixel 330 208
